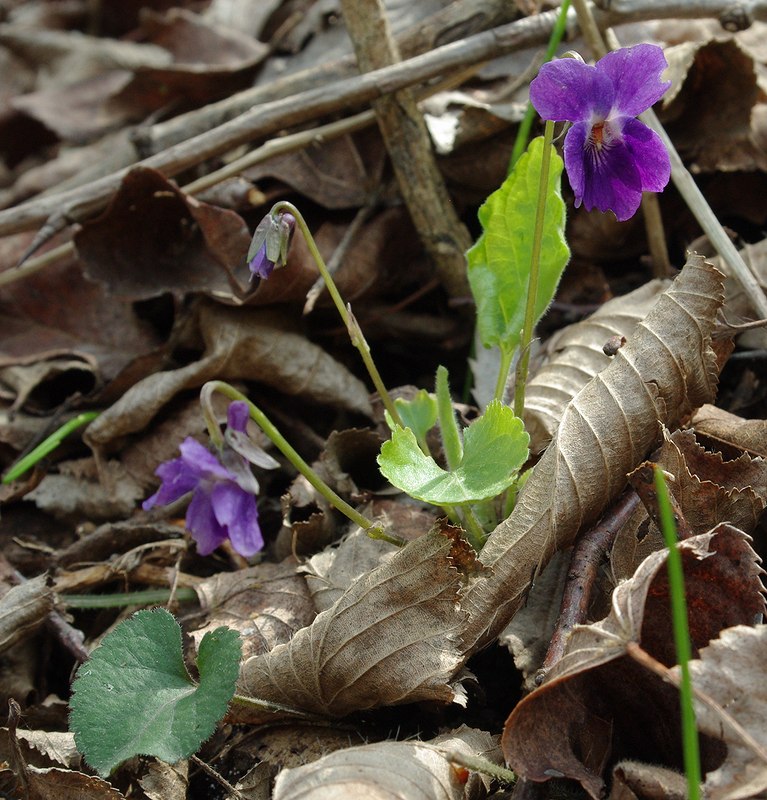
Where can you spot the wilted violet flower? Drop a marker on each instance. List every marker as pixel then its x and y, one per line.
pixel 223 504
pixel 611 158
pixel 269 248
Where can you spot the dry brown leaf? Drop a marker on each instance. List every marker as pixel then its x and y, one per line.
pixel 153 238
pixel 598 704
pixel 241 344
pixel 266 604
pixel 388 770
pixel 633 780
pixel 391 638
pixel 23 609
pixel 333 570
pixel 707 111
pixel 731 671
pixel 166 781
pixel 667 369
pixel 574 356
pixel 708 489
pixel 730 432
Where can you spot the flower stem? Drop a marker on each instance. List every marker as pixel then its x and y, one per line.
pixel 282 444
pixel 507 355
pixel 448 427
pixel 690 747
pixel 355 332
pixel 523 132
pixel 535 263
pixel 145 597
pixel 47 446
pixel 474 531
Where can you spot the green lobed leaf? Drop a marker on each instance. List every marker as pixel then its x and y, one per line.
pixel 494 448
pixel 418 414
pixel 499 262
pixel 134 695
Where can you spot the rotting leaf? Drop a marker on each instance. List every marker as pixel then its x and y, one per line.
pixel 730 671
pixel 598 703
pixel 726 431
pixel 666 369
pixel 406 770
pixel 23 609
pixel 391 638
pixel 240 344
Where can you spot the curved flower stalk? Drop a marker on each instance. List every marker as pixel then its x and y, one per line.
pixel 610 156
pixel 224 489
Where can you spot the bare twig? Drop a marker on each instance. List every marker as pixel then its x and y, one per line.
pixel 587 555
pixel 407 140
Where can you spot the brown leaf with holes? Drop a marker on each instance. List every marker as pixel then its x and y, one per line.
pixel 667 369
pixel 391 638
pixel 598 704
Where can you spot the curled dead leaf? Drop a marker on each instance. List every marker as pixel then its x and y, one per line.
pixel 666 369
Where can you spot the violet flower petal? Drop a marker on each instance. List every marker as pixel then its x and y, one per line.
pixel 202 523
pixel 177 480
pixel 635 73
pixel 649 155
pixel 260 264
pixel 201 461
pixel 237 512
pixel 568 89
pixel 237 415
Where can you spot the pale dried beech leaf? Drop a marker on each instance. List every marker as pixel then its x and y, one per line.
pixel 731 671
pixel 391 638
pixel 575 356
pixel 598 704
pixel 240 344
pixel 392 770
pixel 332 571
pixel 266 604
pixel 166 781
pixel 667 369
pixel 634 780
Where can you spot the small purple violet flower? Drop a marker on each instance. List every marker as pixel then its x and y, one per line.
pixel 223 504
pixel 611 158
pixel 269 248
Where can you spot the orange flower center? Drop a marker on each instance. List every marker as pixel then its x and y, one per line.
pixel 597 134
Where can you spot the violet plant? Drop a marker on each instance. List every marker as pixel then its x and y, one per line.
pixel 610 159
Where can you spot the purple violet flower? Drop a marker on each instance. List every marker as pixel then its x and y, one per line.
pixel 269 248
pixel 223 504
pixel 611 158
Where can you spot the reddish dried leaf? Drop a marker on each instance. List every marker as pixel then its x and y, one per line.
pixel 598 704
pixel 154 239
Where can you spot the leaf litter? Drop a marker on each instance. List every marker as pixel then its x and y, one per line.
pixel 374 658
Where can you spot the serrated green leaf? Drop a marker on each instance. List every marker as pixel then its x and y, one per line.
pixel 494 448
pixel 418 414
pixel 499 262
pixel 134 695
